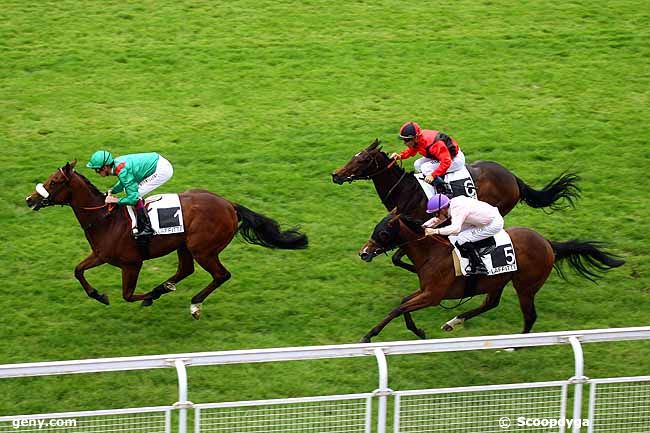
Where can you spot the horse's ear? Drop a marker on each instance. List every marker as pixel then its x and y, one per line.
pixel 374 144
pixel 70 165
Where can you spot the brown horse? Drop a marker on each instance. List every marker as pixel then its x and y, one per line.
pixel 536 258
pixel 494 183
pixel 211 222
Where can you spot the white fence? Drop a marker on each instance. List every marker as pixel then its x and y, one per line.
pixel 619 404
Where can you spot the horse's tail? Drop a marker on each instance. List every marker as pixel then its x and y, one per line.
pixel 595 261
pixel 564 186
pixel 260 230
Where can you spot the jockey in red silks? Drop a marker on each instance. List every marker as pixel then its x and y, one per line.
pixel 440 153
pixel 137 174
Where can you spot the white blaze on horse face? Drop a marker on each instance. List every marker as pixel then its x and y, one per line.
pixel 40 189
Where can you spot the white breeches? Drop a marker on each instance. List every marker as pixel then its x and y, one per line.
pixel 426 166
pixel 474 234
pixel 163 173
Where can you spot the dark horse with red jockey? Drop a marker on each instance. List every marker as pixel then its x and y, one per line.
pixel 494 183
pixel 211 222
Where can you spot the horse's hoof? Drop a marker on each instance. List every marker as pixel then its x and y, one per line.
pixel 103 299
pixel 195 310
pixel 147 303
pixel 168 286
pixel 420 333
pixel 451 325
pixel 365 339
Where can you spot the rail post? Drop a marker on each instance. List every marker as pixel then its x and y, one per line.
pixel 578 379
pixel 383 391
pixel 182 404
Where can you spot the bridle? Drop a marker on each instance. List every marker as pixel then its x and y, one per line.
pixel 379 171
pixel 46 195
pixel 379 249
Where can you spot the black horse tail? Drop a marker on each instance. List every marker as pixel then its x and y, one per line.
pixel 595 261
pixel 564 186
pixel 260 230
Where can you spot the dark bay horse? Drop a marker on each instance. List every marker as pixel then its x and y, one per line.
pixel 211 222
pixel 494 183
pixel 536 258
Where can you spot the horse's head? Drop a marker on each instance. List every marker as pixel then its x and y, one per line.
pixel 363 165
pixel 385 237
pixel 389 234
pixel 55 190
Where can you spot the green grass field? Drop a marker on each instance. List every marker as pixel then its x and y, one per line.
pixel 260 102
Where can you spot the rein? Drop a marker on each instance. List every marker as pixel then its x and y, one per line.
pixel 378 172
pixel 394 186
pixel 437 238
pixel 110 207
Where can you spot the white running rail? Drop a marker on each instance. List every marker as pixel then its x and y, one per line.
pixel 414 411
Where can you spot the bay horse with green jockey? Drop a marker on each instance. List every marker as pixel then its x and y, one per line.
pixel 210 221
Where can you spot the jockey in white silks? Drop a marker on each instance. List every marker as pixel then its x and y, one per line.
pixel 471 220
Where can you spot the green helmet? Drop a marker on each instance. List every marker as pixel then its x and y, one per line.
pixel 100 159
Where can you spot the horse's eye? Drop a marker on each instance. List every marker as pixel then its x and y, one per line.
pixel 383 236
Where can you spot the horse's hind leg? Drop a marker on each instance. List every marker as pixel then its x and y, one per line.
pixel 88 263
pixel 527 305
pixel 491 301
pixel 185 269
pixel 219 276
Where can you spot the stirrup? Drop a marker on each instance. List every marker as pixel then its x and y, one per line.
pixel 144 233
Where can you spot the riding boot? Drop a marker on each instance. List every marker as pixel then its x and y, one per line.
pixel 476 265
pixel 144 224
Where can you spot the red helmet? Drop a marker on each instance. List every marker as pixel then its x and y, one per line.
pixel 409 130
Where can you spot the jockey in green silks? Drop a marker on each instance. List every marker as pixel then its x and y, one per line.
pixel 137 174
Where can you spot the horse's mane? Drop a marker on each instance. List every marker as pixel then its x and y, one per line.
pixel 92 187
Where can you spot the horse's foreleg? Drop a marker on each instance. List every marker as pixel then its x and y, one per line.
pixel 397 261
pixel 491 301
pixel 420 300
pixel 185 269
pixel 129 281
pixel 90 262
pixel 410 324
pixel 219 276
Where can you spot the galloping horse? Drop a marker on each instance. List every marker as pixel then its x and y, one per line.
pixel 211 222
pixel 536 258
pixel 494 183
